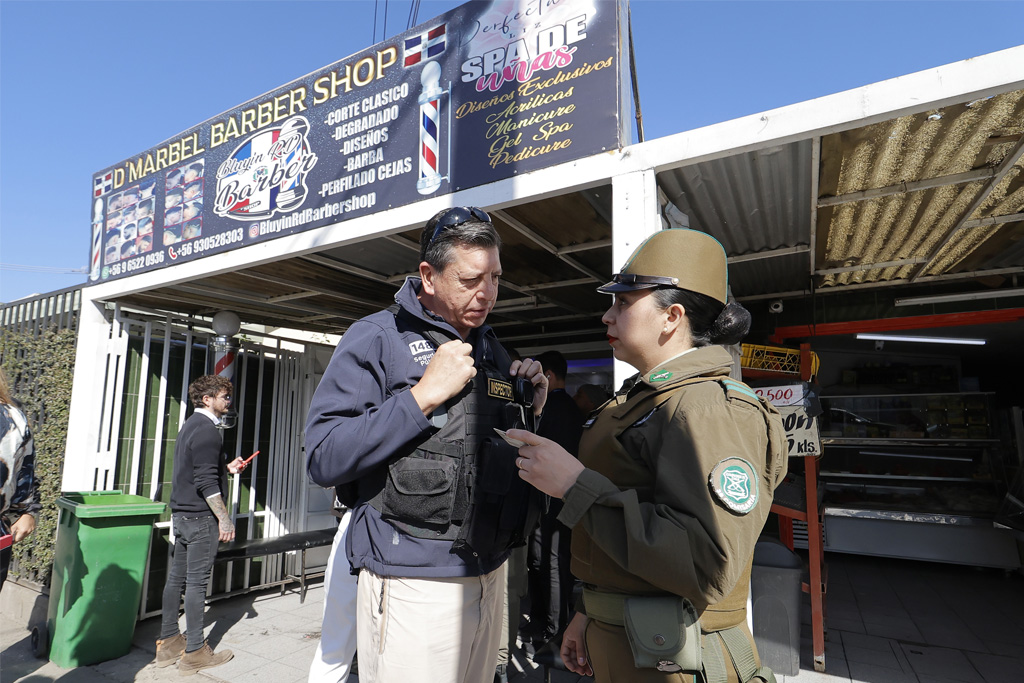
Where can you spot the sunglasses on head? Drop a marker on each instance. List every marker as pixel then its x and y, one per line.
pixel 456 216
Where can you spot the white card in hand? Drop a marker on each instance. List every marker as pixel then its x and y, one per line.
pixel 515 443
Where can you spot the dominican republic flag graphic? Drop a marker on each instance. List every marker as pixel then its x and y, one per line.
pixel 424 46
pixel 103 184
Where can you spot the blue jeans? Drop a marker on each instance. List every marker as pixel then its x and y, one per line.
pixel 195 547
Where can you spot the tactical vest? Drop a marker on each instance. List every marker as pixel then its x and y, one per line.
pixel 461 483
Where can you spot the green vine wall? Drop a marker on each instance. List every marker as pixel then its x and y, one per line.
pixel 41 371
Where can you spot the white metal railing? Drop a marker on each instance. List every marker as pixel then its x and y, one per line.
pixel 152 359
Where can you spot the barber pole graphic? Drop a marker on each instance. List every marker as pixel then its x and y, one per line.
pixel 97 250
pixel 97 239
pixel 430 120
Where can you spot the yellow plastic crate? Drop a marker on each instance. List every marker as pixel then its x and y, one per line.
pixel 775 359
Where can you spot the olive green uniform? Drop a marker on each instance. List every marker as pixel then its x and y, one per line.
pixel 645 515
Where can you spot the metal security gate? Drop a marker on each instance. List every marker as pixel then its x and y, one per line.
pixel 151 360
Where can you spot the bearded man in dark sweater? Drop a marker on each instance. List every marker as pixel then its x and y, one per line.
pixel 199 519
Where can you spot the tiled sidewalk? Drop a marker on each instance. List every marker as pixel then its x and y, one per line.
pixel 890 621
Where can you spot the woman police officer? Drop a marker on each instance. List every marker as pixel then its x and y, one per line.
pixel 674 479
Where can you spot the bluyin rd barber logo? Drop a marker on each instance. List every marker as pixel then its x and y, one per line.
pixel 266 174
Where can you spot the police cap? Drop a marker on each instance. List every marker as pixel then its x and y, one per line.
pixel 677 257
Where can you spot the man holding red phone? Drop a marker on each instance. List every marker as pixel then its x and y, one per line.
pixel 199 519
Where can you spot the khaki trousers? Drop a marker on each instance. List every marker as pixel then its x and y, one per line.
pixel 429 629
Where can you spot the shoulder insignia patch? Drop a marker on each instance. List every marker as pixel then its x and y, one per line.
pixel 734 483
pixel 660 376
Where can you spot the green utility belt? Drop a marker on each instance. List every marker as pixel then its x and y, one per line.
pixel 663 630
pixel 664 634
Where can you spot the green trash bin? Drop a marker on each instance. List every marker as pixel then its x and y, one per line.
pixel 103 540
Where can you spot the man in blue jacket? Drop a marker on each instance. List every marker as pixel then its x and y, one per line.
pixel 403 424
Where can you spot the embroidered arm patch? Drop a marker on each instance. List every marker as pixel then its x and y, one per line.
pixel 734 483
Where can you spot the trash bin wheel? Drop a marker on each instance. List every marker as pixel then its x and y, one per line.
pixel 40 641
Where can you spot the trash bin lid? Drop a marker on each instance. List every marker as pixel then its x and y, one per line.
pixel 772 553
pixel 87 504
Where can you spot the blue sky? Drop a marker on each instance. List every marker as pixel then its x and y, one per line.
pixel 86 84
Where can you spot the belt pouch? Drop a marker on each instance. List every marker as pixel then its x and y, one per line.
pixel 663 632
pixel 421 489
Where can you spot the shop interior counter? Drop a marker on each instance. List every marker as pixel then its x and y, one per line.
pixel 914 476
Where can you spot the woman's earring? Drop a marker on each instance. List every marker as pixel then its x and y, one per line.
pixel 664 330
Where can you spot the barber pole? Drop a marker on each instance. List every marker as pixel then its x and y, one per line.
pixel 430 119
pixel 224 361
pixel 220 360
pixel 224 351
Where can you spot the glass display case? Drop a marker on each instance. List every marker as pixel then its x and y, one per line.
pixel 929 417
pixel 914 475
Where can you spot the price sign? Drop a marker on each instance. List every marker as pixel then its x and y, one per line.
pixel 801 432
pixel 787 395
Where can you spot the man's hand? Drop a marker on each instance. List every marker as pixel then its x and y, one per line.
pixel 532 370
pixel 446 375
pixel 24 526
pixel 237 465
pixel 226 530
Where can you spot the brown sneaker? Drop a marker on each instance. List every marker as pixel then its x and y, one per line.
pixel 169 650
pixel 203 658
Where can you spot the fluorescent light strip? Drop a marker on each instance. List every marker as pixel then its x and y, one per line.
pixel 950 298
pixel 926 340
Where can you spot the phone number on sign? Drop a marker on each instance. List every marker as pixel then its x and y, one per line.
pixel 201 244
pixel 134 264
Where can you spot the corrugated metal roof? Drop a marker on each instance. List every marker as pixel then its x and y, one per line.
pixel 893 200
pixel 925 225
pixel 750 202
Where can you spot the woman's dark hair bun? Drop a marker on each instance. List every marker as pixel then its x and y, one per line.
pixel 731 325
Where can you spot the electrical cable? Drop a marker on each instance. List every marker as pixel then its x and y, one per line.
pixel 633 78
pixel 42 269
